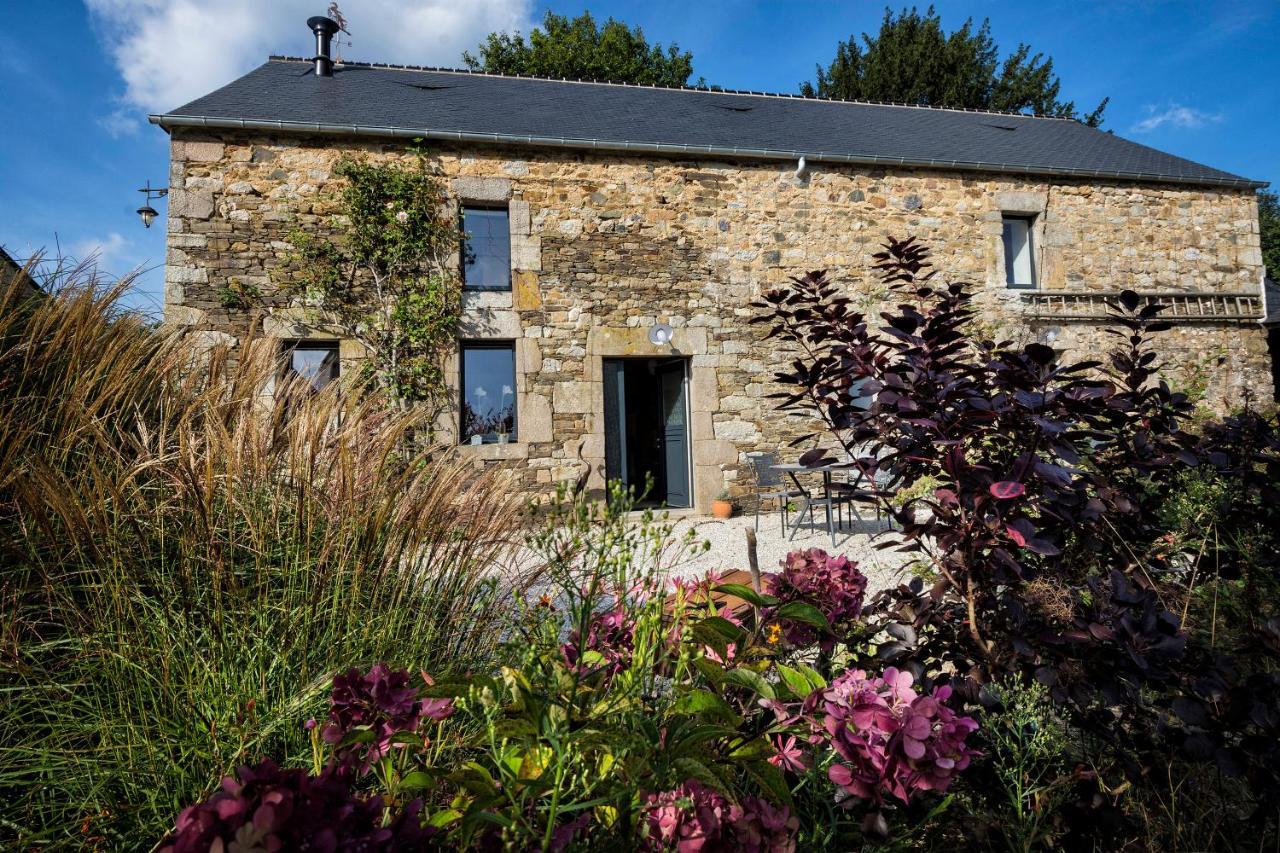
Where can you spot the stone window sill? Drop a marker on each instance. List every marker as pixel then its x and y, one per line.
pixel 495 452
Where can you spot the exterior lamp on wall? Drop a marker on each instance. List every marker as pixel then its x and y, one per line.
pixel 660 334
pixel 147 213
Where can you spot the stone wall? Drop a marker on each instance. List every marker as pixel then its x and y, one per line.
pixel 602 247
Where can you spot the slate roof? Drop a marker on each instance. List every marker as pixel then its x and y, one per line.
pixel 376 100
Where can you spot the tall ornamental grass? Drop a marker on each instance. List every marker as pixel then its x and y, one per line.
pixel 190 549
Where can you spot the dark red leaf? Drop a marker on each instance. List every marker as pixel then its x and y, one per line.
pixel 1007 489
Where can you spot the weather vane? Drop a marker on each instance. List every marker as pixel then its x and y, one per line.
pixel 335 15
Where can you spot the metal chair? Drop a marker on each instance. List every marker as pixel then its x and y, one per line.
pixel 771 485
pixel 828 501
pixel 851 488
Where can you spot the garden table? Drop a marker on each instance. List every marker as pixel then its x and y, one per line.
pixel 794 469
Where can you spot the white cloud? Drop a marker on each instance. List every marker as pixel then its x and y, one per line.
pixel 1174 115
pixel 118 123
pixel 107 249
pixel 170 52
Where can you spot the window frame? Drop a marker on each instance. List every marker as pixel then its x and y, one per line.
pixel 463 207
pixel 291 345
pixel 507 345
pixel 1029 219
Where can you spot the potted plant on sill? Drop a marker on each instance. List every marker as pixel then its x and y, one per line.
pixel 721 506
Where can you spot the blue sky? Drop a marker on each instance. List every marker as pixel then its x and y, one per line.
pixel 1198 79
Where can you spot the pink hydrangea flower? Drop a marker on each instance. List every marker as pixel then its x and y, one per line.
pixel 890 739
pixel 688 819
pixel 761 827
pixel 694 818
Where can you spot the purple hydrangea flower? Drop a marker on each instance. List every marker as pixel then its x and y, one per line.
pixel 268 809
pixel 381 701
pixel 831 584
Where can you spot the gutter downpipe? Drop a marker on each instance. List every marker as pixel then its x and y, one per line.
pixel 168 122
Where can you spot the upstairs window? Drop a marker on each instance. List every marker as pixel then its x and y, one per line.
pixel 314 362
pixel 486 248
pixel 488 383
pixel 1019 261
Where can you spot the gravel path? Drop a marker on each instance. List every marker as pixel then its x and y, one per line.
pixel 728 549
pixel 729 546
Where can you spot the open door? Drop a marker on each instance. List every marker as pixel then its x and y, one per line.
pixel 646 428
pixel 675 432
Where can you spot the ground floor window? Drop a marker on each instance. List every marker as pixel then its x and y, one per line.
pixel 488 383
pixel 314 362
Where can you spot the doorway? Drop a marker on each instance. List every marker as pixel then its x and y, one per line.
pixel 646 421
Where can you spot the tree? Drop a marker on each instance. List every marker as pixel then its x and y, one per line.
pixel 912 60
pixel 387 280
pixel 579 49
pixel 1269 231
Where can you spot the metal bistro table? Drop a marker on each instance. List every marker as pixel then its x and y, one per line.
pixel 792 469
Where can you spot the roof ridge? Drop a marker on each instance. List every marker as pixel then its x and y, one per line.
pixel 704 89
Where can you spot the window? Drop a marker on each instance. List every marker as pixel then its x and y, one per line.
pixel 486 249
pixel 316 362
pixel 1019 263
pixel 488 383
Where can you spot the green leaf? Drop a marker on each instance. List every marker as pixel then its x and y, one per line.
pixel 514 729
pixel 726 629
pixel 405 739
pixel 754 749
pixel 816 680
pixel 751 681
pixel 798 611
pixel 694 739
pixel 746 593
pixel 703 702
pixel 795 680
pixel 475 778
pixel 692 768
pixel 710 670
pixel 772 781
pixel 358 736
pixel 417 780
pixel 451 688
pixel 443 818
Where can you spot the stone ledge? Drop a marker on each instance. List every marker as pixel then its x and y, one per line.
pixel 495 452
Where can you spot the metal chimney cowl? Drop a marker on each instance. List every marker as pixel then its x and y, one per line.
pixel 324 28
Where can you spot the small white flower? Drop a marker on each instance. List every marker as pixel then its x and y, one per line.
pixel 402 217
pixel 506 389
pixel 480 392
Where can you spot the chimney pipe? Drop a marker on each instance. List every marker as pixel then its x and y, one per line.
pixel 324 28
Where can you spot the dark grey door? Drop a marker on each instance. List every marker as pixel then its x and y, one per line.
pixel 615 420
pixel 675 431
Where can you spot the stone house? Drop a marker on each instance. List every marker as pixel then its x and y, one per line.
pixel 617 235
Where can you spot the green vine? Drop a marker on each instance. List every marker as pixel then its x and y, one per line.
pixel 384 273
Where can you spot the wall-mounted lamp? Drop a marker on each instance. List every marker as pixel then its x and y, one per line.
pixel 660 334
pixel 148 213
